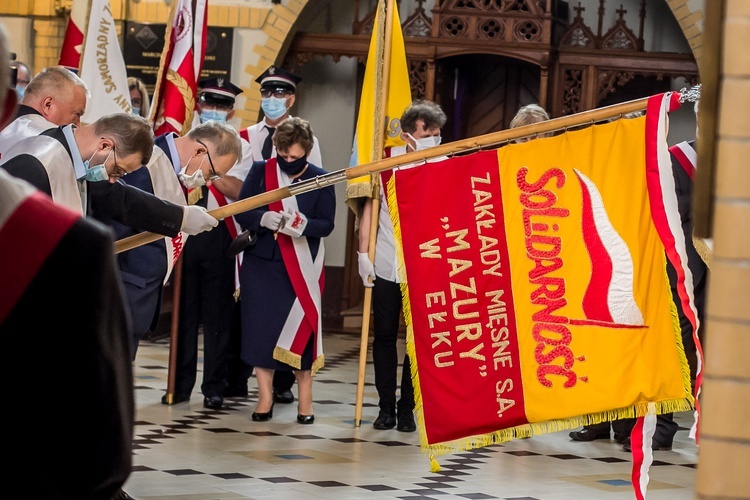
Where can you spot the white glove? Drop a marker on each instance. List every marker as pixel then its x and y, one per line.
pixel 271 220
pixel 366 269
pixel 294 224
pixel 195 220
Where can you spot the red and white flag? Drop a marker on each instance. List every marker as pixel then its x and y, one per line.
pixel 70 54
pixel 182 59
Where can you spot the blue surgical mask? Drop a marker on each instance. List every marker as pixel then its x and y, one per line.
pixel 97 173
pixel 213 114
pixel 20 91
pixel 136 111
pixel 273 107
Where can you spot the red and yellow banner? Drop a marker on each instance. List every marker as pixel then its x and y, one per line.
pixel 536 292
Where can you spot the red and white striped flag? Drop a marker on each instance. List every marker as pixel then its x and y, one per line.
pixel 182 59
pixel 70 54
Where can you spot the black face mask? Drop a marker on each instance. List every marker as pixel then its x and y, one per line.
pixel 291 167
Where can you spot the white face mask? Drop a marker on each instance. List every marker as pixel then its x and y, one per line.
pixel 425 142
pixel 196 179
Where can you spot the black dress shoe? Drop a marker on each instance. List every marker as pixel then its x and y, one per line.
pixel 655 445
pixel 587 434
pixel 283 397
pixel 176 398
pixel 263 417
pixel 386 420
pixel 213 402
pixel 305 419
pixel 406 422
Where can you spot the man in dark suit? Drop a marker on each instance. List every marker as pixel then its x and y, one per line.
pixel 202 158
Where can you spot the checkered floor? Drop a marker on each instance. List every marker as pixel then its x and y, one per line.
pixel 187 452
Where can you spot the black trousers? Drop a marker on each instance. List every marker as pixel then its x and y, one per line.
pixel 386 306
pixel 205 299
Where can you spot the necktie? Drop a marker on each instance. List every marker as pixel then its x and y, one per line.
pixel 268 143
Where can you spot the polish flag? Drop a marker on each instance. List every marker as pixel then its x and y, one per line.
pixel 182 59
pixel 70 54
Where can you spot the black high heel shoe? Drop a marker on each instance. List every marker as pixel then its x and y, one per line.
pixel 305 419
pixel 263 417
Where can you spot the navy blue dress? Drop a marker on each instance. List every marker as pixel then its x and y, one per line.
pixel 265 287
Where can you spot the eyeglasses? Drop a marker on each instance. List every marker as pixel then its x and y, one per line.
pixel 118 171
pixel 279 93
pixel 213 176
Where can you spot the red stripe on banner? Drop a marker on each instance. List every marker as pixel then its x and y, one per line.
pixel 595 300
pixel 25 247
pixel 636 446
pixel 461 305
pixel 656 197
pixel 222 201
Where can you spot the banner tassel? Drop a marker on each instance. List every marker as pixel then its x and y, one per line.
pixel 434 465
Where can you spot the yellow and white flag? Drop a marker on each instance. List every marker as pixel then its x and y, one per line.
pixel 380 98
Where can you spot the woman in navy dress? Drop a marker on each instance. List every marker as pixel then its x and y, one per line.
pixel 281 279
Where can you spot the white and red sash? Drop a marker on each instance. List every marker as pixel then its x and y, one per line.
pixel 307 279
pixel 25 244
pixel 686 156
pixel 167 187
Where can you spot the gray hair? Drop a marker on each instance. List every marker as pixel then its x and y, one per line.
pixel 224 138
pixel 57 81
pixel 531 113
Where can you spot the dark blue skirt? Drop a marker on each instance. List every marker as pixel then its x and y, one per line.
pixel 267 297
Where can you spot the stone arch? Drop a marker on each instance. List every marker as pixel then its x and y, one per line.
pixel 689 15
pixel 276 25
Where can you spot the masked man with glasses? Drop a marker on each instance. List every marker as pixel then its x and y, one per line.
pixel 202 159
pixel 81 168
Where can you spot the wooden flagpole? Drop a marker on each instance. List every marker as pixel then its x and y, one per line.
pixel 383 70
pixel 174 329
pixel 487 141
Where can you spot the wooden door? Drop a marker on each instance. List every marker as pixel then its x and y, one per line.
pixel 481 93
